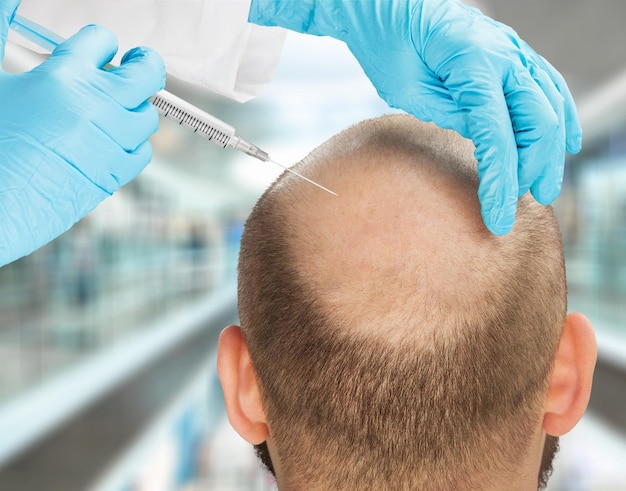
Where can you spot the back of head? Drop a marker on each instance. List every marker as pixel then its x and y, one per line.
pixel 397 343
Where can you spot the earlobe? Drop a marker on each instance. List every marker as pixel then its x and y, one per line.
pixel 570 381
pixel 242 394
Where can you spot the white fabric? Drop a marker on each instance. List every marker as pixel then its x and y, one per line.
pixel 205 42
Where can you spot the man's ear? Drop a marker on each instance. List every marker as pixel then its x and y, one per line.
pixel 242 394
pixel 570 381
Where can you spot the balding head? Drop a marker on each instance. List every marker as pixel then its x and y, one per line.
pixel 397 343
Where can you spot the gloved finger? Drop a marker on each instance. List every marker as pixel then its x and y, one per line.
pixel 115 167
pixel 573 131
pixel 547 185
pixel 100 159
pixel 536 125
pixel 7 12
pixel 92 45
pixel 127 128
pixel 141 74
pixel 136 161
pixel 490 128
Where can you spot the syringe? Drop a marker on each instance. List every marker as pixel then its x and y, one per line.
pixel 169 105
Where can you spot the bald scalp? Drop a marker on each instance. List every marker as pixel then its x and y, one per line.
pixel 393 336
pixel 405 235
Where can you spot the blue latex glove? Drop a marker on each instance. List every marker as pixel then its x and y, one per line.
pixel 70 134
pixel 445 62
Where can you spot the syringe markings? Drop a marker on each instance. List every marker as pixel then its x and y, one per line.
pixel 184 118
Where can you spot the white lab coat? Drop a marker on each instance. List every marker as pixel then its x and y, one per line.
pixel 205 42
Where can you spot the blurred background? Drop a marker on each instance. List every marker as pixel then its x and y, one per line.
pixel 108 334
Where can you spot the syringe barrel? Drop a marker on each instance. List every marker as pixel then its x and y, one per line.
pixel 200 122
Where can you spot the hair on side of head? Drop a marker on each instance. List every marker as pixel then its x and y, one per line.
pixel 451 389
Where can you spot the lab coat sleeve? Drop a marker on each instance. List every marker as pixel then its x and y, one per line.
pixel 204 42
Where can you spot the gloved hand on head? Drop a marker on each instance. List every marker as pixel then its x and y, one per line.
pixel 71 133
pixel 445 62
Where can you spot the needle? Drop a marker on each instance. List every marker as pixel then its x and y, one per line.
pixel 303 177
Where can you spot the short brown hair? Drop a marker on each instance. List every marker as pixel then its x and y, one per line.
pixel 452 388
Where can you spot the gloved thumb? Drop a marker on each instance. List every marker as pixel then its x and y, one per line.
pixel 7 11
pixel 94 45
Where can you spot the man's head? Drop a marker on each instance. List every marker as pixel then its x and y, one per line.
pixel 387 339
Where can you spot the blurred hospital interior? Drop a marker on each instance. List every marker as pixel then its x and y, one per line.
pixel 108 334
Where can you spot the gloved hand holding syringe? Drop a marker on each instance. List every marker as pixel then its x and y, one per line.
pixel 167 104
